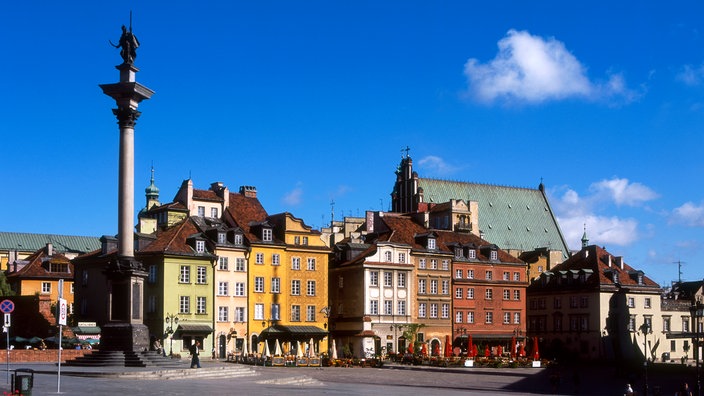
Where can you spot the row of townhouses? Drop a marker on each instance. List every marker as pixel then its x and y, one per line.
pixel 450 262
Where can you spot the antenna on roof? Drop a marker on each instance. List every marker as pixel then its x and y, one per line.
pixel 679 269
pixel 332 211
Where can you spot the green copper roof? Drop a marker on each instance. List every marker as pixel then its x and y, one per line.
pixel 26 242
pixel 510 217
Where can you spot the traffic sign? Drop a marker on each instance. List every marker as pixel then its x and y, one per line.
pixel 7 306
pixel 7 320
pixel 63 311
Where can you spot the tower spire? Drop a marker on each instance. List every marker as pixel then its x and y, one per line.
pixel 585 240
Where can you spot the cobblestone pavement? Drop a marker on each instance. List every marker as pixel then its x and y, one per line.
pixel 391 380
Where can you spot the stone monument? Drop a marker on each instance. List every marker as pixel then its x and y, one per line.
pixel 125 275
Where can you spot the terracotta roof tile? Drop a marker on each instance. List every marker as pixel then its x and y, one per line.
pixel 206 195
pixel 244 211
pixel 173 239
pixel 38 266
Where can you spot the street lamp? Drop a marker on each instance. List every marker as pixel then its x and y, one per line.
pixel 171 322
pixel 697 311
pixel 645 328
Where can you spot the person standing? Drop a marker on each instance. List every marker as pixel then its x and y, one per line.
pixel 195 351
pixel 684 391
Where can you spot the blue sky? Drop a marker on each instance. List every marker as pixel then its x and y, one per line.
pixel 312 102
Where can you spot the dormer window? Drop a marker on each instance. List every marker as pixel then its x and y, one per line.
pixel 387 257
pixel 472 254
pixel 200 246
pixel 201 211
pixel 222 237
pixel 267 235
pixel 640 278
pixel 214 212
pixel 494 255
pixel 458 252
pixel 431 243
pixel 614 277
pixel 238 239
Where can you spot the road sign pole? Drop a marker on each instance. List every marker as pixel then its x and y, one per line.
pixel 7 333
pixel 60 319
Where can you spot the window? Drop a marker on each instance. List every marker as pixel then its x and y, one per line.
pixel 259 258
pixel 310 288
pixel 421 286
pixel 446 265
pixel 239 289
pixel 185 274
pixel 433 264
pixel 516 318
pixel 489 294
pixel 305 241
pixel 275 259
pixel 152 304
pixel 239 264
pixel 507 275
pixel 267 235
pixel 471 254
pixel 666 324
pixel 311 264
pixel 445 312
pixel 46 287
pixel 374 278
pixel 275 312
pixel 388 278
pixel 433 286
pixel 433 310
pixel 470 293
pixel 200 246
pixel 213 212
pixel 296 240
pixel 295 313
pixel 223 314
pixel 202 275
pixel 152 274
pixel 388 307
pixel 401 307
pixel 458 292
pixel 310 313
pixel 295 263
pixel 431 243
pixel 421 310
pixel 489 318
pixel 557 303
pixel 222 288
pixel 631 302
pixel 184 304
pixel 470 317
pixel 574 303
pixel 507 318
pixel 458 273
pixel 516 295
pixel 517 276
pixel 402 258
pixel 222 263
pixel 373 307
pixel 632 323
pixel 584 302
pixel 238 239
pixel 507 294
pixel 258 311
pixel 276 285
pixel 201 211
pixel 421 263
pixel 222 238
pixel 458 317
pixel 647 302
pixel 494 255
pixel 470 274
pixel 259 284
pixel 488 275
pixel 295 287
pixel 685 324
pixel 401 279
pixel 387 257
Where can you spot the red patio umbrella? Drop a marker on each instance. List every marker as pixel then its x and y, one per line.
pixel 521 350
pixel 499 350
pixel 474 350
pixel 487 352
pixel 536 354
pixel 513 347
pixel 448 346
pixel 470 347
pixel 436 349
pixel 410 348
pixel 424 350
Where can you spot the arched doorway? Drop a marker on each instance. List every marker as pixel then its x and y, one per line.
pixel 435 347
pixel 255 343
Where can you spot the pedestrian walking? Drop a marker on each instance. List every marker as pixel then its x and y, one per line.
pixel 195 351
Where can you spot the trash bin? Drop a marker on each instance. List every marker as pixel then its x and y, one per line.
pixel 23 381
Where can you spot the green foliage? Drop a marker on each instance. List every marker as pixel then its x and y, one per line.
pixel 5 289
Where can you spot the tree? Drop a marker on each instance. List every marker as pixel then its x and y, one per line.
pixel 411 334
pixel 5 289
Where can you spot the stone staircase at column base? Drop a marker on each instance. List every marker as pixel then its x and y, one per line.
pixel 125 359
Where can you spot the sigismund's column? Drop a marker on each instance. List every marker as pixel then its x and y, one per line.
pixel 125 275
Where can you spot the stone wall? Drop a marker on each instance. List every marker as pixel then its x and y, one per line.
pixel 48 355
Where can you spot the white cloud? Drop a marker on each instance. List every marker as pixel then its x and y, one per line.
pixel 601 230
pixel 531 69
pixel 689 214
pixel 691 75
pixel 437 165
pixel 622 192
pixel 294 197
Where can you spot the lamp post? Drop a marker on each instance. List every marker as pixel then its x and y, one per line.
pixel 645 328
pixel 171 321
pixel 697 311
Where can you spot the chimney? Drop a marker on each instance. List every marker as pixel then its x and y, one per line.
pixel 107 243
pixel 49 249
pixel 608 260
pixel 370 222
pixel 11 257
pixel 248 191
pixel 619 261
